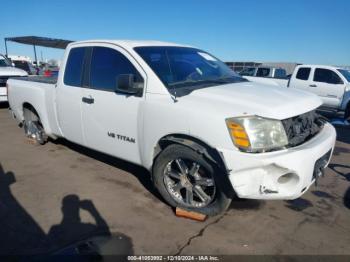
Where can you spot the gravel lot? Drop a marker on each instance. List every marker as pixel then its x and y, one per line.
pixel 59 193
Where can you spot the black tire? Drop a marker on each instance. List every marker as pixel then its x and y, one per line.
pixel 219 203
pixel 347 112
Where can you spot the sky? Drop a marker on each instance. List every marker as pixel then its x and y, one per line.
pixel 304 31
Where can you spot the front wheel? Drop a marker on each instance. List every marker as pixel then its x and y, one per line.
pixel 188 180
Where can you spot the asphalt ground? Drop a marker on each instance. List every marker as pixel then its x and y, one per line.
pixel 54 195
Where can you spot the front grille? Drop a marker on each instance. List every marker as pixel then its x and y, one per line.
pixel 302 128
pixel 3 81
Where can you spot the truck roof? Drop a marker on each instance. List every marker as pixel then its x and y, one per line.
pixel 129 43
pixel 321 66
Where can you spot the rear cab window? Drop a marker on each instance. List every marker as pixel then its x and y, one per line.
pixel 303 73
pixel 326 76
pixel 74 67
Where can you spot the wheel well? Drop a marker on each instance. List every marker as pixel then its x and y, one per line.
pixel 210 153
pixel 195 144
pixel 30 113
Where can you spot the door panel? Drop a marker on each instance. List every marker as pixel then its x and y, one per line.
pixel 329 86
pixel 301 79
pixel 69 95
pixel 111 123
pixel 112 120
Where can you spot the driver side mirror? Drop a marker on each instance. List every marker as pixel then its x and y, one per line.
pixel 126 85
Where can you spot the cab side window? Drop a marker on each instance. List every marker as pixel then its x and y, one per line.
pixel 106 65
pixel 303 73
pixel 74 67
pixel 280 73
pixel 327 76
pixel 248 71
pixel 263 72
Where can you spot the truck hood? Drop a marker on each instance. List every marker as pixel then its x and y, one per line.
pixel 250 98
pixel 12 71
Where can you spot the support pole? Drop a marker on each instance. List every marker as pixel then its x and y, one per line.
pixel 6 47
pixel 36 59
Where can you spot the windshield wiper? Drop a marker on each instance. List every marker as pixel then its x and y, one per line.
pixel 199 82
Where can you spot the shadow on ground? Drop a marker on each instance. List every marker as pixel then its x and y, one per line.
pixel 246 204
pixel 4 105
pixel 143 175
pixel 335 167
pixel 298 204
pixel 343 134
pixel 346 176
pixel 347 198
pixel 20 234
pixel 139 172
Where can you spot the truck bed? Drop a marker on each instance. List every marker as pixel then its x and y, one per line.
pixel 39 92
pixel 39 79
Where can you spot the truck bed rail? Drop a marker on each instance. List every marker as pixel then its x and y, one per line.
pixel 40 79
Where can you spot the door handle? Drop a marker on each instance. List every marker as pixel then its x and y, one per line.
pixel 312 85
pixel 88 100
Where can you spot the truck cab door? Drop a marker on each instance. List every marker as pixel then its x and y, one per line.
pixel 301 79
pixel 329 86
pixel 112 120
pixel 68 96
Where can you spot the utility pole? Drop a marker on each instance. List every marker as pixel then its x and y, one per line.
pixel 6 47
pixel 36 59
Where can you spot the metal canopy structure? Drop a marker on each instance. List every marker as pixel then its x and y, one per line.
pixel 38 41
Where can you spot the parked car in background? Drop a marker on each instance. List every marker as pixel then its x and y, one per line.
pixel 204 133
pixel 50 71
pixel 26 66
pixel 262 71
pixel 331 84
pixel 7 71
pixel 265 75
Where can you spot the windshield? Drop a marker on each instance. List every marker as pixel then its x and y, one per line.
pixel 180 67
pixel 4 62
pixel 345 73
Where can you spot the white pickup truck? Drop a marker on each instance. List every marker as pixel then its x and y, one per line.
pixel 264 71
pixel 7 71
pixel 331 84
pixel 204 133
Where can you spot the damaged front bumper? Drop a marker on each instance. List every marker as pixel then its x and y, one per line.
pixel 285 174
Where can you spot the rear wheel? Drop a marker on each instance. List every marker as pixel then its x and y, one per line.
pixel 33 128
pixel 186 179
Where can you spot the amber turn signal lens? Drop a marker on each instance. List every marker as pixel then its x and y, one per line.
pixel 238 134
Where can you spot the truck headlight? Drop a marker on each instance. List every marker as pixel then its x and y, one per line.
pixel 257 134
